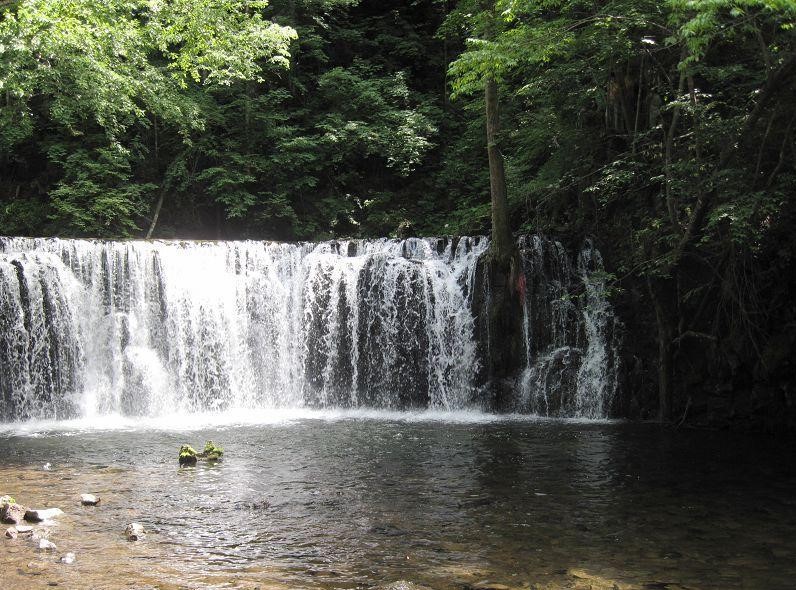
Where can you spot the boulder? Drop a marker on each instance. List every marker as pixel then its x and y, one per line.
pixel 89 499
pixel 187 455
pixel 212 451
pixel 134 531
pixel 42 514
pixel 11 512
pixel 11 533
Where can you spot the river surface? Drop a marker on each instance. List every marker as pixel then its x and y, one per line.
pixel 324 500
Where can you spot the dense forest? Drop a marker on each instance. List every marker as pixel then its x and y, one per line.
pixel 664 130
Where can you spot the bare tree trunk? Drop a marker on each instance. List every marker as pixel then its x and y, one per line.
pixel 502 246
pixel 502 268
pixel 158 206
pixel 663 299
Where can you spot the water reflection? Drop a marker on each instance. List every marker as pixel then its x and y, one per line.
pixel 356 503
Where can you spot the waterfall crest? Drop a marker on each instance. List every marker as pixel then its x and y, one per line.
pixel 92 327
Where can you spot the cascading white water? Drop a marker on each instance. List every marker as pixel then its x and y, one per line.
pixel 160 327
pixel 93 327
pixel 572 334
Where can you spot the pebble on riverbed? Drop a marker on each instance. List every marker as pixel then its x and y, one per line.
pixel 134 531
pixel 89 499
pixel 13 531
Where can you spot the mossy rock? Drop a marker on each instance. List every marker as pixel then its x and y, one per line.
pixel 188 455
pixel 212 451
pixel 7 500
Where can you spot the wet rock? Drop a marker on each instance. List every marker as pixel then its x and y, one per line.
pixel 212 452
pixel 47 545
pixel 487 585
pixel 68 559
pixel 587 581
pixel 11 533
pixel 402 585
pixel 187 455
pixel 89 499
pixel 42 514
pixel 10 511
pixel 134 531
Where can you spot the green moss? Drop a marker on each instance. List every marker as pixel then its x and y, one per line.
pixel 187 455
pixel 7 500
pixel 212 451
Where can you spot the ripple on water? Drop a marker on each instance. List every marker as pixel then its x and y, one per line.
pixel 320 502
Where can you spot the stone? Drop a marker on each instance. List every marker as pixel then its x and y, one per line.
pixel 134 531
pixel 403 585
pixel 11 512
pixel 24 529
pixel 587 581
pixel 47 545
pixel 11 533
pixel 487 585
pixel 89 499
pixel 43 514
pixel 69 558
pixel 187 455
pixel 212 452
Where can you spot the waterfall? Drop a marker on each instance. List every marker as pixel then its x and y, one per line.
pixel 572 335
pixel 91 327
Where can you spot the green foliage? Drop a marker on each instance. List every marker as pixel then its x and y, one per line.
pixel 96 195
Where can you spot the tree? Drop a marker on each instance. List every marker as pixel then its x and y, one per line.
pixel 97 75
pixel 482 66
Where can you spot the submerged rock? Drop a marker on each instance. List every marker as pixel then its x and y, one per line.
pixel 134 531
pixel 42 514
pixel 89 499
pixel 13 531
pixel 47 545
pixel 187 455
pixel 69 558
pixel 487 585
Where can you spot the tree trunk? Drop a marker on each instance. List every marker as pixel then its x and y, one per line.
pixel 502 246
pixel 158 207
pixel 663 297
pixel 502 272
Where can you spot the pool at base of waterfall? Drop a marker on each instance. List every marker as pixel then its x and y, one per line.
pixel 358 499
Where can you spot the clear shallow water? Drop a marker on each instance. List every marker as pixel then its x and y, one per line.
pixel 357 499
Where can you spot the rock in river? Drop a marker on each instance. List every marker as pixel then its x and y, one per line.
pixel 13 531
pixel 68 558
pixel 45 545
pixel 10 511
pixel 134 531
pixel 42 514
pixel 89 499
